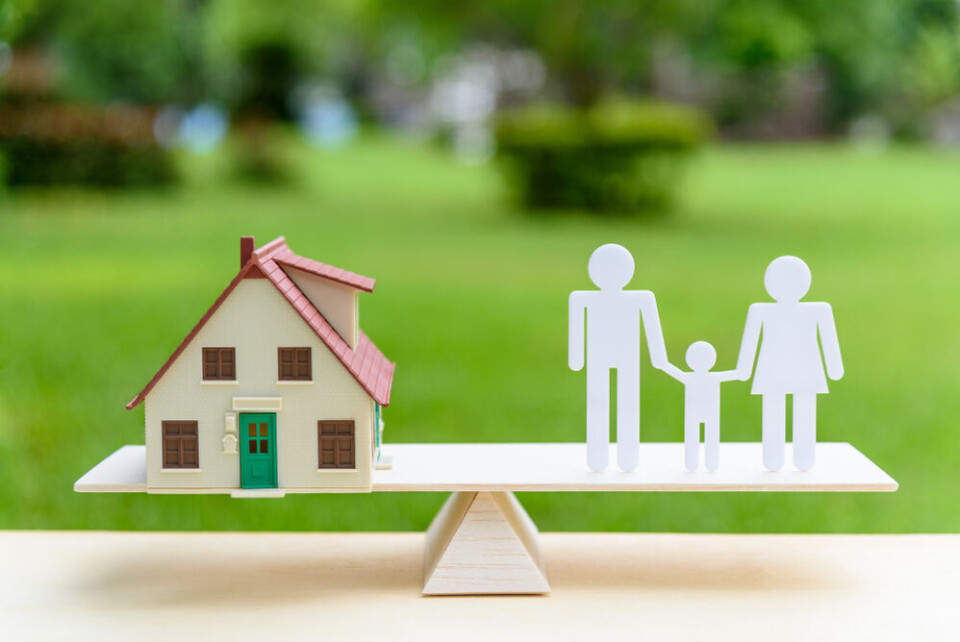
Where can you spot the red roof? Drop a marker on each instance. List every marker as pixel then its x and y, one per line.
pixel 372 370
pixel 286 257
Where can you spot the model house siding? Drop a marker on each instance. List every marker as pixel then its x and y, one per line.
pixel 256 320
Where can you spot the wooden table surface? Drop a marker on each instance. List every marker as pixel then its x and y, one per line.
pixel 317 586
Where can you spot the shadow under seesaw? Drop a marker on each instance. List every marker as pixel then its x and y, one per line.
pixel 297 568
pixel 165 575
pixel 687 562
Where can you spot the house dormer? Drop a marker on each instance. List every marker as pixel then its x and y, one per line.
pixel 332 291
pixel 335 301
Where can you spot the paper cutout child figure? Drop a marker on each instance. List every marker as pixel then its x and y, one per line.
pixel 790 335
pixel 613 317
pixel 701 405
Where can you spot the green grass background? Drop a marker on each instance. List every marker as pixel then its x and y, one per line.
pixel 97 289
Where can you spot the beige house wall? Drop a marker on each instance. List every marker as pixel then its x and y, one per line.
pixel 335 301
pixel 256 320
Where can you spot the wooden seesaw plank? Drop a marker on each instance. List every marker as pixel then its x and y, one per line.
pixel 124 471
pixel 561 467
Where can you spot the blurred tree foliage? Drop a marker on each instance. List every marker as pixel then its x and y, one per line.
pixel 116 50
pixel 893 58
pixel 13 14
pixel 256 52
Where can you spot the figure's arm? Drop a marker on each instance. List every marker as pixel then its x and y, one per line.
pixel 651 326
pixel 674 372
pixel 727 375
pixel 829 341
pixel 578 309
pixel 748 346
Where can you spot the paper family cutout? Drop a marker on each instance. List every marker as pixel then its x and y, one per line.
pixel 788 334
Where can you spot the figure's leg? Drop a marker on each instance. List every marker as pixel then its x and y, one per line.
pixel 804 430
pixel 628 418
pixel 598 417
pixel 774 431
pixel 711 441
pixel 691 443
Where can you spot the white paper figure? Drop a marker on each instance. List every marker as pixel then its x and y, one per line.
pixel 701 404
pixel 613 318
pixel 790 361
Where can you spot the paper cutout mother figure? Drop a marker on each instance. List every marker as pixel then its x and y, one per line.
pixel 613 318
pixel 790 361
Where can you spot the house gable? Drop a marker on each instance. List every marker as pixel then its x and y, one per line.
pixel 255 321
pixel 364 361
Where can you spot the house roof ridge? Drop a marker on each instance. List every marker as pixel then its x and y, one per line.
pixel 267 250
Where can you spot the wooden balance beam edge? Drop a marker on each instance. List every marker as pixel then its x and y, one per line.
pixel 548 467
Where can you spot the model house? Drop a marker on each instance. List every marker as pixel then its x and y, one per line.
pixel 275 388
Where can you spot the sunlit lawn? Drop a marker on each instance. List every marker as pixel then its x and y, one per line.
pixel 96 289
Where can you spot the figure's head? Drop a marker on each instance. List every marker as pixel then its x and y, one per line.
pixel 610 267
pixel 701 356
pixel 787 279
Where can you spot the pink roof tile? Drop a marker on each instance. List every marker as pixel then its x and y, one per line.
pixel 285 257
pixel 372 370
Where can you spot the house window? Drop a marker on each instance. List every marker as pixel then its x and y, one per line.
pixel 336 444
pixel 180 444
pixel 219 364
pixel 293 364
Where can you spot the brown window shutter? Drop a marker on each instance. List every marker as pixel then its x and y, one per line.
pixel 181 444
pixel 337 444
pixel 294 364
pixel 219 364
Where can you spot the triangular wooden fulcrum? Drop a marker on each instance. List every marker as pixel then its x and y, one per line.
pixel 483 543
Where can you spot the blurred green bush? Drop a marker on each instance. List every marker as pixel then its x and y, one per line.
pixel 615 156
pixel 57 144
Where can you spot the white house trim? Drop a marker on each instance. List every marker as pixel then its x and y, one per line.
pixel 261 404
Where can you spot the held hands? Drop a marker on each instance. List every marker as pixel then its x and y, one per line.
pixel 722 375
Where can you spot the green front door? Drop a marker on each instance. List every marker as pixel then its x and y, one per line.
pixel 258 450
